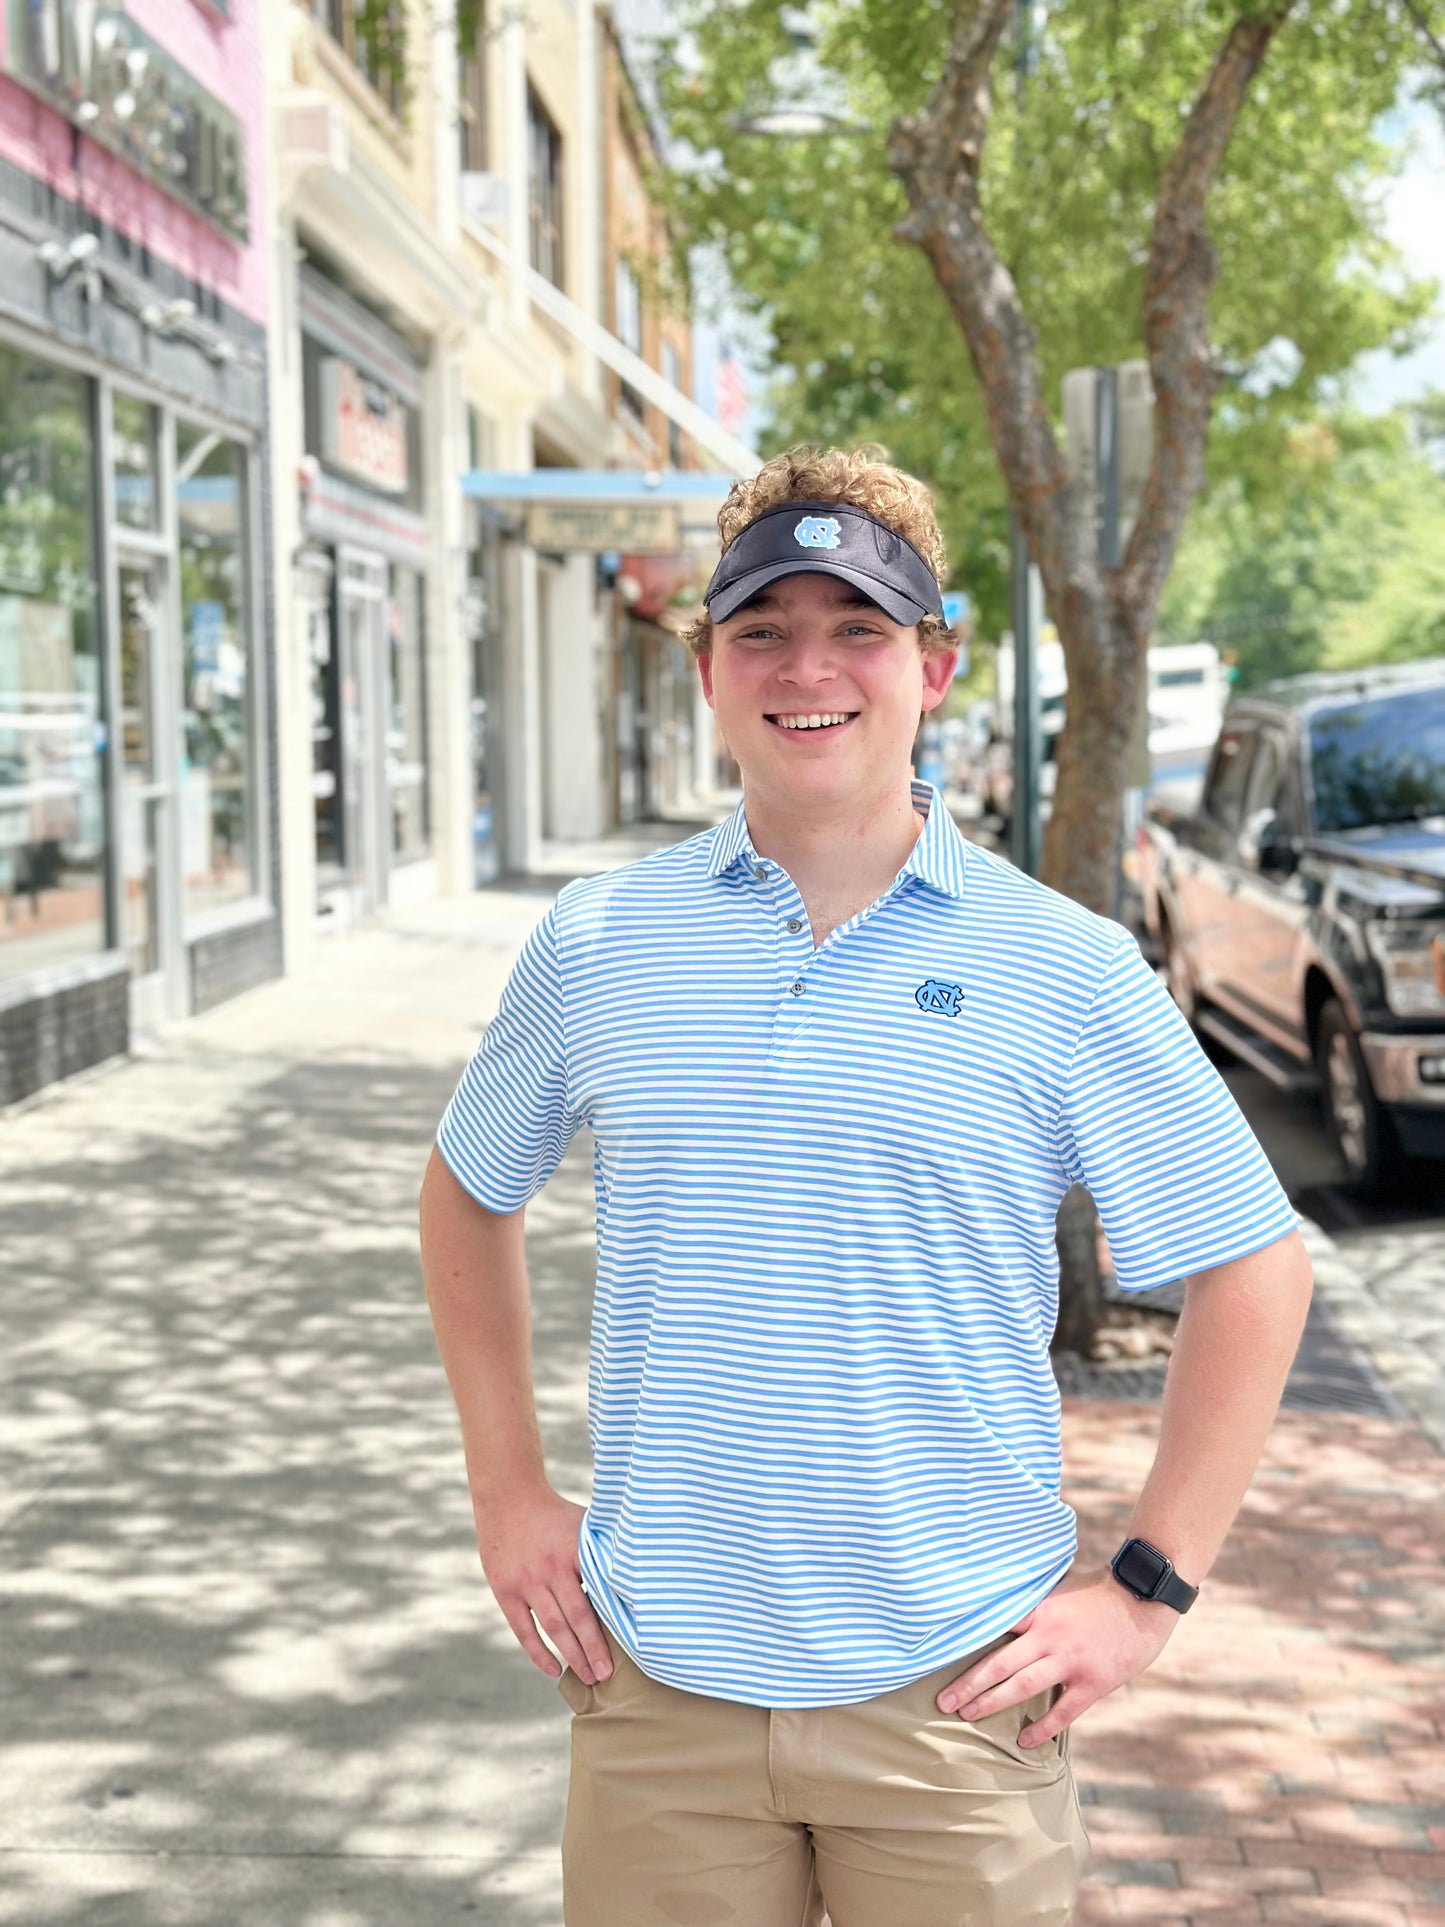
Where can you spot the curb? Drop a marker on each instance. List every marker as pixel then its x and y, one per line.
pixel 1405 1371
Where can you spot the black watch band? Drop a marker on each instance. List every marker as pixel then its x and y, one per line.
pixel 1149 1574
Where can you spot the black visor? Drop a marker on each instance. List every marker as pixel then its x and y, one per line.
pixel 825 538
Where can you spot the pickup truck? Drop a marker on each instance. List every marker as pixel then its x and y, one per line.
pixel 1298 910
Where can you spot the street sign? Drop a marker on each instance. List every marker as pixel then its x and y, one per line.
pixel 633 528
pixel 956 611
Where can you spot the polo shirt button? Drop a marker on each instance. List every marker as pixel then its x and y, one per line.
pixel 797 989
pixel 760 873
pixel 794 926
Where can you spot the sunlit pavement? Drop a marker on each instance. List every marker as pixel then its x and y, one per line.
pixel 249 1672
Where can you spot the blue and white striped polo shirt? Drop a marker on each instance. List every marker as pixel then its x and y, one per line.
pixel 825 1427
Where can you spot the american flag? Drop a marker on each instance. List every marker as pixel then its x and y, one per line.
pixel 730 391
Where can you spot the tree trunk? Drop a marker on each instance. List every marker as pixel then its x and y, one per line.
pixel 1104 617
pixel 1106 660
pixel 1081 1306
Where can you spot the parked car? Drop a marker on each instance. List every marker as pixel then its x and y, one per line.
pixel 1298 910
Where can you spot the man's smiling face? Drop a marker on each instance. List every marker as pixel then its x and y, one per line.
pixel 818 693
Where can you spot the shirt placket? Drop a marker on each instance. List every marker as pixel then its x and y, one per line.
pixel 800 965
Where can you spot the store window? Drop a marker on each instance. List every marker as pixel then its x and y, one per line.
pixel 52 815
pixel 472 86
pixel 672 373
pixel 406 716
pixel 217 777
pixel 133 463
pixel 373 36
pixel 627 326
pixel 544 190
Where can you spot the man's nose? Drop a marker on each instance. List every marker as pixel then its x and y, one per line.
pixel 809 656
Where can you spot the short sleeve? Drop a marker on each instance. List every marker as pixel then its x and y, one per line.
pixel 1148 1124
pixel 508 1123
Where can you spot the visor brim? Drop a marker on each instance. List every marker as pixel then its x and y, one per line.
pixel 895 603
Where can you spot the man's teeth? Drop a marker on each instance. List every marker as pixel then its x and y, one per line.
pixel 812 722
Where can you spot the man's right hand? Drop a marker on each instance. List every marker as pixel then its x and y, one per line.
pixel 529 1554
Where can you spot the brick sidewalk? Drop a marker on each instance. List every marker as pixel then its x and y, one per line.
pixel 248 1668
pixel 1282 1759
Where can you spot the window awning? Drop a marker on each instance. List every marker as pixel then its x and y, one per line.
pixel 596 487
pixel 622 510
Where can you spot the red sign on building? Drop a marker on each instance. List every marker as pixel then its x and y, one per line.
pixel 363 427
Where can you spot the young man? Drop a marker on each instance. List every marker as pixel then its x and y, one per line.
pixel 824 1633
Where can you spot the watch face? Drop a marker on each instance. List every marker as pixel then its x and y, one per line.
pixel 1139 1568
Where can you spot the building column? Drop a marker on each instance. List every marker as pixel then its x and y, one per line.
pixel 519 710
pixel 297 588
pixel 449 727
pixel 571 639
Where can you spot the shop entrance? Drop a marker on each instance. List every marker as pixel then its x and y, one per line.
pixel 150 914
pixel 347 699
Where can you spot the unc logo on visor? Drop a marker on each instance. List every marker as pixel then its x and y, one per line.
pixel 817 532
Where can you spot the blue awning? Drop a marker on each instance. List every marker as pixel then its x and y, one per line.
pixel 602 486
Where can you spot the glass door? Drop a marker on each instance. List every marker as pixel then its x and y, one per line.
pixel 148 930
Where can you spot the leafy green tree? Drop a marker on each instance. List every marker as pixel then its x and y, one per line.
pixel 1341 564
pixel 1062 223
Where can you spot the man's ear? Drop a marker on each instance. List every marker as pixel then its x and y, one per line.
pixel 704 670
pixel 938 668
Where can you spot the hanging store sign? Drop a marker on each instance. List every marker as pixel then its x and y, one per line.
pixel 111 79
pixel 363 427
pixel 635 528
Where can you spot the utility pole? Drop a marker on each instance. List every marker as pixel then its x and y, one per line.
pixel 1025 596
pixel 1025 817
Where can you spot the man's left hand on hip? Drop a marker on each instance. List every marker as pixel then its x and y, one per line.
pixel 1088 1635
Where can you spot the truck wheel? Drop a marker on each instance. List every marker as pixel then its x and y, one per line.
pixel 1358 1124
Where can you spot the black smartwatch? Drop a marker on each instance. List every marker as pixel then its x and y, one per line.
pixel 1149 1574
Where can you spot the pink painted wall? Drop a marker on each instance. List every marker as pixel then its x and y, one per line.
pixel 224 55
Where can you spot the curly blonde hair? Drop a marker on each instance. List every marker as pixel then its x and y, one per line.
pixel 862 477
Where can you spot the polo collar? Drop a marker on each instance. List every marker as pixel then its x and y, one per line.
pixel 937 859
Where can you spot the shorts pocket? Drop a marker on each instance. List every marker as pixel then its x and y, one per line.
pixel 577 1693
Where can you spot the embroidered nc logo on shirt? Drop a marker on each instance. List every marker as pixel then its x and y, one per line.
pixel 817 531
pixel 945 998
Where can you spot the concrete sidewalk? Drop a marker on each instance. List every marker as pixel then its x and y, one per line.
pixel 249 1672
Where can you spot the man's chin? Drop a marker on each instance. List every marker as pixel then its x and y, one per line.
pixel 814 779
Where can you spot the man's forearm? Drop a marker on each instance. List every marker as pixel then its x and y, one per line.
pixel 474 1268
pixel 474 1264
pixel 1236 1339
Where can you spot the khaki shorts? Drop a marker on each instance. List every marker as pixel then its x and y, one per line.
pixel 689 1811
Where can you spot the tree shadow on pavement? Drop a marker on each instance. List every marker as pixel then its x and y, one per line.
pixel 250 1666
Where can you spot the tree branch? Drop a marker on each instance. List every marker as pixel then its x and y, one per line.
pixel 1181 273
pixel 1426 31
pixel 938 156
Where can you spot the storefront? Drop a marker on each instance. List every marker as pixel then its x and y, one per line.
pixel 137 871
pixel 363 579
pixel 671 763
